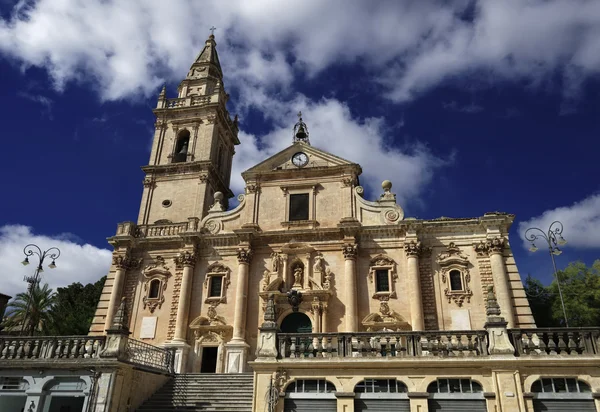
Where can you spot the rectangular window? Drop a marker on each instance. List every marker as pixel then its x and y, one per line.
pixel 216 282
pixel 382 280
pixel 299 206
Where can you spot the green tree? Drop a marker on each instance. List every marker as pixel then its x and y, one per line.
pixel 31 311
pixel 540 301
pixel 74 308
pixel 580 287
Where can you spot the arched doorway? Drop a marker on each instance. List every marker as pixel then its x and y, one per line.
pixel 296 322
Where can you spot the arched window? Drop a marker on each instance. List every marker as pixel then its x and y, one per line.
pixel 381 395
pixel 452 394
pixel 154 290
pixel 562 394
pixel 456 280
pixel 309 395
pixel 66 394
pixel 182 147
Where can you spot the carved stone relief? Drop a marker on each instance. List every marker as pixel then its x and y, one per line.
pixel 217 269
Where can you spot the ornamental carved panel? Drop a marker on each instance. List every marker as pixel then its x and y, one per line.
pixel 156 276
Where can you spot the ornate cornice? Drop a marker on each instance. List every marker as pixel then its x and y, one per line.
pixel 244 255
pixel 350 251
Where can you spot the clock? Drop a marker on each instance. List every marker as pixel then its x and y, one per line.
pixel 300 159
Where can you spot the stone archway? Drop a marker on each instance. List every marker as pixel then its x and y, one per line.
pixel 296 322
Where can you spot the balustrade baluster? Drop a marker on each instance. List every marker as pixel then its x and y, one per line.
pixel 2 348
pixel 551 344
pixel 562 346
pixel 20 349
pixel 329 347
pixel 374 346
pixel 449 346
pixel 35 353
pixel 302 348
pixel 292 348
pixel 459 345
pixel 388 346
pixel 571 345
pixel 349 348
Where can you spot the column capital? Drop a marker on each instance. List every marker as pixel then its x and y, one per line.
pixel 244 255
pixel 125 261
pixel 350 251
pixel 413 249
pixel 489 246
pixel 186 258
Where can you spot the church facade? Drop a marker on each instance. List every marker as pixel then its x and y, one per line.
pixel 332 300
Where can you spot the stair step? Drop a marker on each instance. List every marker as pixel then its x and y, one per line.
pixel 203 393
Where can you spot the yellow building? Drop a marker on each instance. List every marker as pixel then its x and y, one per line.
pixel 331 301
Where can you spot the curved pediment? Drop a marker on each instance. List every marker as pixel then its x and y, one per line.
pixel 452 256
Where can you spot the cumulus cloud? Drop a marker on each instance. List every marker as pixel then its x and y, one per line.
pixel 127 48
pixel 581 222
pixel 332 128
pixel 78 262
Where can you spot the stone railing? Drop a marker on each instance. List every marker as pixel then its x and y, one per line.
pixel 555 341
pixel 382 344
pixel 156 229
pixel 150 356
pixel 51 347
pixel 179 102
pixel 160 230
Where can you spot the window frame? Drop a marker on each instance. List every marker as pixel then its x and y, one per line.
pixel 561 395
pixel 381 263
pixel 155 271
pixel 210 286
pixel 456 395
pixel 214 270
pixel 400 393
pixel 303 394
pixel 311 190
pixel 305 209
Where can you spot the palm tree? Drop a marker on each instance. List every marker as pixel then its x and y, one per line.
pixel 31 311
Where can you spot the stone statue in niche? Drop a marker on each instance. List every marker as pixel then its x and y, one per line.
pixel 318 266
pixel 298 276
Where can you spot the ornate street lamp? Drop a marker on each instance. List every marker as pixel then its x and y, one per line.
pixel 31 250
pixel 553 238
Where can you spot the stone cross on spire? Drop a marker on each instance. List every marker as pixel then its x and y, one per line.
pixel 212 30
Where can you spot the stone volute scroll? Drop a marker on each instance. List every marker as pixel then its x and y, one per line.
pixel 156 276
pixel 383 211
pixel 454 274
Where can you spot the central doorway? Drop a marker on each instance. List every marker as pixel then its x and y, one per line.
pixel 209 359
pixel 296 322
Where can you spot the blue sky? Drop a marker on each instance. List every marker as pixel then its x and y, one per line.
pixel 467 107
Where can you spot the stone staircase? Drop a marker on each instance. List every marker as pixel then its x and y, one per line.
pixel 203 392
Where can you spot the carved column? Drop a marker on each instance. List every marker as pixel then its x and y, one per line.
pixel 350 252
pixel 494 248
pixel 122 262
pixel 188 261
pixel 237 349
pixel 413 249
pixel 241 294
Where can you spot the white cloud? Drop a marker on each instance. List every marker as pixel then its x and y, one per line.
pixel 128 48
pixel 332 128
pixel 77 262
pixel 581 223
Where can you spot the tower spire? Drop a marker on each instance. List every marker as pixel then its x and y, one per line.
pixel 208 60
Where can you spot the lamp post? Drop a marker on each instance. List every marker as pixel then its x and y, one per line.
pixel 553 238
pixel 31 250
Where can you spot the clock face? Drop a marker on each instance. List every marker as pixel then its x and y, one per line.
pixel 300 159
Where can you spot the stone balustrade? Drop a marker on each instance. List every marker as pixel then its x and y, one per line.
pixel 161 230
pixel 555 341
pixel 179 102
pixel 382 344
pixel 156 229
pixel 51 347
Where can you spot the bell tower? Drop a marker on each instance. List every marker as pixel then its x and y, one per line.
pixel 193 145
